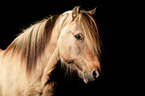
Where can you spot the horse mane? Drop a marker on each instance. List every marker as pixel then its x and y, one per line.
pixel 32 42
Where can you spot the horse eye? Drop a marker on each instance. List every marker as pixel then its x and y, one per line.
pixel 78 37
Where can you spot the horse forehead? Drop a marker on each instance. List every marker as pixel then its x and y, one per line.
pixel 69 28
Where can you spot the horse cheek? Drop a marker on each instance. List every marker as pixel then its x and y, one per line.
pixel 64 49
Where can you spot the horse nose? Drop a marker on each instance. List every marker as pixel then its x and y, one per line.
pixel 95 74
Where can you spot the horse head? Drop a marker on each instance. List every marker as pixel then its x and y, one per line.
pixel 79 43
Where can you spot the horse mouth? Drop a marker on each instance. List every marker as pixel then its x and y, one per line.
pixel 89 77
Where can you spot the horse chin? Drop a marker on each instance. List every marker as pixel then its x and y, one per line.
pixel 86 80
pixel 88 77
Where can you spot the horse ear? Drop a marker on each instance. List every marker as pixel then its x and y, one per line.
pixel 92 11
pixel 75 11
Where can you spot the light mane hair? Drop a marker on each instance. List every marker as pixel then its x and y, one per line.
pixel 32 42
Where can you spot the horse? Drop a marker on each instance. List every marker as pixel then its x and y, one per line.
pixel 27 64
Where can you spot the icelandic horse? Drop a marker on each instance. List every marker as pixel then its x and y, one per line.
pixel 28 62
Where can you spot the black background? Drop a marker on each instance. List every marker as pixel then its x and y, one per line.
pixel 19 15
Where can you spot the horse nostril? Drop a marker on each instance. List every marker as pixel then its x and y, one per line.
pixel 95 74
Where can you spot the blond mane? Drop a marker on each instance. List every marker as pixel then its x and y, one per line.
pixel 32 42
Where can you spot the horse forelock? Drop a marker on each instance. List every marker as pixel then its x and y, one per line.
pixel 86 23
pixel 32 42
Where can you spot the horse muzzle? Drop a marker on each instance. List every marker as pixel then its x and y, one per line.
pixel 88 77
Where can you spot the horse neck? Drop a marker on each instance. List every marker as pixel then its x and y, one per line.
pixel 49 49
pixel 35 51
pixel 59 25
